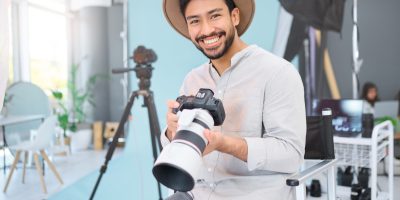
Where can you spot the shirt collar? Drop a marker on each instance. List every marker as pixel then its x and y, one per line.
pixel 234 60
pixel 242 54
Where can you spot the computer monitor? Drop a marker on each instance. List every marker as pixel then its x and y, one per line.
pixel 386 109
pixel 347 115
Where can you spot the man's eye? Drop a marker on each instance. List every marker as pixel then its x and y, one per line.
pixel 194 21
pixel 215 16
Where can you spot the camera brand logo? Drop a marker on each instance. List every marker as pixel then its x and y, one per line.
pixel 200 95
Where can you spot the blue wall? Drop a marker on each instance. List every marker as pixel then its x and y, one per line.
pixel 130 177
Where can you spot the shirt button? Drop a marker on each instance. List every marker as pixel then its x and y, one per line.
pixel 209 170
pixel 219 91
pixel 200 180
pixel 212 185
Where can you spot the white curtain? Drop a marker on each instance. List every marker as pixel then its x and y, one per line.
pixel 4 39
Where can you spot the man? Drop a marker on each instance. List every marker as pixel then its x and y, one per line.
pixel 262 138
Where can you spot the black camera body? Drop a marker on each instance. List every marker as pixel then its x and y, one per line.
pixel 204 99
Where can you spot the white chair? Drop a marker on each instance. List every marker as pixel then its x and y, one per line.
pixel 42 141
pixel 37 104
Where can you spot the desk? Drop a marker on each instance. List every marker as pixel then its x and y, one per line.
pixel 10 120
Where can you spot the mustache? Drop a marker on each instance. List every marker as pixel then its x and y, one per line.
pixel 202 37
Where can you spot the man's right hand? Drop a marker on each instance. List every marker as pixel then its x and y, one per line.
pixel 172 119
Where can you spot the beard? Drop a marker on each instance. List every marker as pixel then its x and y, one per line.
pixel 226 45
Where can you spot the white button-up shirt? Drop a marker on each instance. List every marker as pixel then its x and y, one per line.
pixel 263 98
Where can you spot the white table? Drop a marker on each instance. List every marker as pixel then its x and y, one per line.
pixel 12 120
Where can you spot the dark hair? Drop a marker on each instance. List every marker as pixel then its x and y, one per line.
pixel 183 4
pixel 367 86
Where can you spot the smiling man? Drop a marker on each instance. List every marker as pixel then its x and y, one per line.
pixel 262 139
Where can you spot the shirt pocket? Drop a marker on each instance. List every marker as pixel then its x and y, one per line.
pixel 243 111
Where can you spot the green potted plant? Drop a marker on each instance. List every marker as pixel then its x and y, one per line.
pixel 80 96
pixel 62 113
pixel 63 116
pixel 73 117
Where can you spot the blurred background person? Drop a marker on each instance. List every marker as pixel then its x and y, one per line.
pixel 370 96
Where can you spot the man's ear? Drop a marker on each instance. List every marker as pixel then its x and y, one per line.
pixel 235 16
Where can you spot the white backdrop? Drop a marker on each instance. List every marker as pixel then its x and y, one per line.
pixel 3 48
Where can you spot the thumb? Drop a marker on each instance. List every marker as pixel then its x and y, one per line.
pixel 207 134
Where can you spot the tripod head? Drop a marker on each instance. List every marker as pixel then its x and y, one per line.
pixel 143 58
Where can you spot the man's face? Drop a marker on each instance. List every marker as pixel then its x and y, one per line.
pixel 211 26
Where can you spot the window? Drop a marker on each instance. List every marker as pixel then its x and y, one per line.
pixel 47 42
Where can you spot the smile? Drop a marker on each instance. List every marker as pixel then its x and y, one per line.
pixel 211 41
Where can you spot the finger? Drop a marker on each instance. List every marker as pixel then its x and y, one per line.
pixel 172 104
pixel 206 151
pixel 172 117
pixel 173 126
pixel 207 133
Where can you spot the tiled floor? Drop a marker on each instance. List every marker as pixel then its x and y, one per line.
pixel 71 169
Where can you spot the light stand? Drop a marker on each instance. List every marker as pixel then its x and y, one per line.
pixel 357 62
pixel 143 58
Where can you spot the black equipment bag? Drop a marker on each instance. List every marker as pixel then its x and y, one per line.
pixel 321 14
pixel 319 138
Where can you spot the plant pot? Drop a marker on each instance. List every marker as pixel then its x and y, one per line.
pixel 81 140
pixel 67 140
pixel 62 144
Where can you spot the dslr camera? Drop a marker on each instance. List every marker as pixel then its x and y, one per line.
pixel 179 162
pixel 204 99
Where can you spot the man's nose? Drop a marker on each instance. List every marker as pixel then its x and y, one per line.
pixel 206 28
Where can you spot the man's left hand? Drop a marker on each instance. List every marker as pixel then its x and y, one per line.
pixel 215 141
pixel 236 146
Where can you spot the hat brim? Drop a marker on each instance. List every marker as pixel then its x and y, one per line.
pixel 177 20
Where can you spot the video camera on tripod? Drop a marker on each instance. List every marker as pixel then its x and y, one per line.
pixel 143 58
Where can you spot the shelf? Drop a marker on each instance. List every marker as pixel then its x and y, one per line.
pixel 343 193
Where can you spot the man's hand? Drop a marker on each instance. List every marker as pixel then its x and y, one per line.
pixel 172 119
pixel 217 141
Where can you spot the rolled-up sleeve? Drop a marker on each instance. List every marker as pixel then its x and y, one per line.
pixel 163 137
pixel 281 147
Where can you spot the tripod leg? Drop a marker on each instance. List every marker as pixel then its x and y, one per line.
pixel 153 119
pixel 114 142
pixel 155 130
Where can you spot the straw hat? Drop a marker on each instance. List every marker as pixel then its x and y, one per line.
pixel 174 16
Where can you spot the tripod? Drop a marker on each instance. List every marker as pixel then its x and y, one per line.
pixel 143 58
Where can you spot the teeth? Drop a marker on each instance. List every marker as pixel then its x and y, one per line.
pixel 211 41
